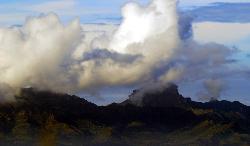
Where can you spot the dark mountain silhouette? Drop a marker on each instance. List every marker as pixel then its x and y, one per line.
pixel 166 97
pixel 160 117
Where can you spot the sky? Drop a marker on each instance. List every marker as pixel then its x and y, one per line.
pixel 228 20
pixel 89 11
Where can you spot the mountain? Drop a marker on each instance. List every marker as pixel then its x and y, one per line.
pixel 157 118
pixel 166 97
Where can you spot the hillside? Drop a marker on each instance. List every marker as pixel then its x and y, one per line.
pixel 163 118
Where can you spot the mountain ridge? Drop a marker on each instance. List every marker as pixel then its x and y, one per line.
pixel 61 119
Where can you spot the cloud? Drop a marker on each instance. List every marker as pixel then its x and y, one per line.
pixel 34 54
pixel 153 44
pixel 127 41
pixel 6 92
pixel 103 54
pixel 213 89
pixel 142 23
pixel 185 26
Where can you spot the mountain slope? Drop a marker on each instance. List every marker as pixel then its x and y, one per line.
pixel 164 118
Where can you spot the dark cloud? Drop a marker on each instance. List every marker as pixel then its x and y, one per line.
pixel 204 60
pixel 185 26
pixel 101 54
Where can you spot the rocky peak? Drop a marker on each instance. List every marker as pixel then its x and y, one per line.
pixel 165 96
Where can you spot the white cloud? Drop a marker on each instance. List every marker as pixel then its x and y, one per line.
pixel 36 52
pixel 46 54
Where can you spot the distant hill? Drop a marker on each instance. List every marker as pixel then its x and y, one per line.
pixel 156 118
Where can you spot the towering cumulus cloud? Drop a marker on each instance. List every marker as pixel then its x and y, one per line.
pixel 38 53
pixel 142 25
pixel 152 44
